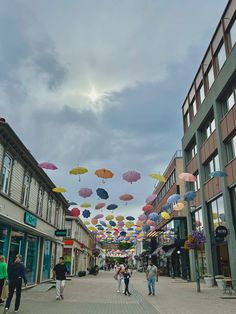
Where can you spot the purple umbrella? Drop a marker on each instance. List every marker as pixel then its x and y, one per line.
pixel 99 216
pixel 48 166
pixel 142 217
pixel 131 176
pixel 85 192
pixel 151 198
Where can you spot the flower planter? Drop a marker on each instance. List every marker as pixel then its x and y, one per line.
pixel 220 284
pixel 209 281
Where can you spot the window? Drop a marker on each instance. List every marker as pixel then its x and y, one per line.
pixel 212 165
pixel 26 190
pixel 6 173
pixel 221 57
pixel 209 128
pixel 194 151
pixel 56 222
pixel 232 34
pixel 40 202
pixel 210 77
pixel 217 213
pixel 231 148
pixel 201 94
pixel 193 107
pixel 198 220
pixel 49 210
pixel 229 101
pixel 196 183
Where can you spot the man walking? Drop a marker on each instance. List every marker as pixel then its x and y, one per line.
pixel 59 272
pixel 152 277
pixel 16 272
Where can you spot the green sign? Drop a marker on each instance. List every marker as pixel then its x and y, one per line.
pixel 30 219
pixel 60 233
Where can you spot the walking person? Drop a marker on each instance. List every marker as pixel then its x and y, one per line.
pixel 152 277
pixel 3 276
pixel 120 277
pixel 127 276
pixel 59 273
pixel 16 272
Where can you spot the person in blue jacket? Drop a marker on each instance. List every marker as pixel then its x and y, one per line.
pixel 16 273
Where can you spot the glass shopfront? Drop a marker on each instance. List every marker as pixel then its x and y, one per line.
pixel 17 245
pixel 46 260
pixel 3 240
pixel 31 258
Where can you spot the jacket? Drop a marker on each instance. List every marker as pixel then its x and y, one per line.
pixel 17 271
pixel 3 270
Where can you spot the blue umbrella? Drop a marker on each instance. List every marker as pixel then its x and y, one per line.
pixel 165 207
pixel 100 228
pixel 173 198
pixel 112 223
pixel 73 203
pixel 153 216
pixel 190 196
pixel 112 206
pixel 86 213
pixel 130 218
pixel 123 233
pixel 222 217
pixel 103 223
pixel 102 193
pixel 130 229
pixel 146 228
pixel 217 174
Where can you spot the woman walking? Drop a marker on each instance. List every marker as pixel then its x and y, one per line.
pixel 120 277
pixel 127 276
pixel 3 275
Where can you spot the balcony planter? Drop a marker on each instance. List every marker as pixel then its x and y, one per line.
pixel 220 282
pixel 209 280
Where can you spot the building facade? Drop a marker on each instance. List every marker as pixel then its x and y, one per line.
pixel 78 246
pixel 29 211
pixel 209 145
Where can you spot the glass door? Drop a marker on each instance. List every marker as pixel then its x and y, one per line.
pixel 31 258
pixel 46 260
pixel 16 245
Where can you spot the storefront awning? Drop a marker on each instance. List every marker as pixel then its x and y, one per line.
pixel 170 252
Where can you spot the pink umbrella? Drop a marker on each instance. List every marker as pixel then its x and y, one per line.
pixel 47 165
pixel 187 177
pixel 147 208
pixel 151 198
pixel 99 216
pixel 143 217
pixel 121 224
pixel 100 205
pixel 131 176
pixel 85 192
pixel 151 222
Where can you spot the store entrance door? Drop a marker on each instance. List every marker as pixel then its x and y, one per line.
pixel 46 260
pixel 223 260
pixel 16 245
pixel 31 258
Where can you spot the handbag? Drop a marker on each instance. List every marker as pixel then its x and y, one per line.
pixel 5 291
pixel 115 276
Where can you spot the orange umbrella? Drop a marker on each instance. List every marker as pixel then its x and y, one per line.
pixel 104 174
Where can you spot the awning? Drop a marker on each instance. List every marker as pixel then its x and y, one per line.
pixel 170 252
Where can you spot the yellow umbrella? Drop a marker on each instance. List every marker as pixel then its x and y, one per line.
pixel 58 190
pixel 120 218
pixel 85 205
pixel 178 206
pixel 86 222
pixel 92 228
pixel 129 224
pixel 157 176
pixel 78 171
pixel 215 216
pixel 109 217
pixel 165 215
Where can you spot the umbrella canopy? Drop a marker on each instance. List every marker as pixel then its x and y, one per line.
pixel 123 233
pixel 86 222
pixel 126 197
pixel 129 224
pixel 217 174
pixel 178 206
pixel 59 190
pixel 120 218
pixel 86 213
pixel 78 171
pixel 92 228
pixel 99 216
pixel 72 203
pixel 131 176
pixel 104 174
pixel 153 216
pixel 187 177
pixel 112 206
pixel 109 217
pixel 85 192
pixel 142 217
pixel 75 212
pixel 157 176
pixel 100 205
pixel 165 207
pixel 151 198
pixel 102 193
pixel 146 228
pixel 173 198
pixel 130 218
pixel 47 165
pixel 147 208
pixel 112 223
pixel 121 223
pixel 165 215
pixel 190 196
pixel 103 223
pixel 94 221
pixel 85 205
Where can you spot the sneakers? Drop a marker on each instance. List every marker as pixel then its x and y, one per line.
pixel 58 298
pixel 5 310
pixel 118 291
pixel 149 293
pixel 62 297
pixel 16 311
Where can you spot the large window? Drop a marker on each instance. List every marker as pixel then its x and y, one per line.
pixel 40 202
pixel 49 210
pixel 193 108
pixel 231 148
pixel 232 34
pixel 6 174
pixel 196 183
pixel 217 213
pixel 198 220
pixel 26 190
pixel 212 165
pixel 201 94
pixel 210 77
pixel 221 56
pixel 209 128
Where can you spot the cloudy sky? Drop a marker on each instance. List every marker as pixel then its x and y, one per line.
pixel 101 83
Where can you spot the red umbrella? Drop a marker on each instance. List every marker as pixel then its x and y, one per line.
pixel 47 165
pixel 187 177
pixel 100 205
pixel 147 208
pixel 75 212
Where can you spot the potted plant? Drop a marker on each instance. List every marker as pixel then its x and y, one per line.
pixel 209 280
pixel 220 281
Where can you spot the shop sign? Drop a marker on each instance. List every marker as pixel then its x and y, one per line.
pixel 221 231
pixel 30 219
pixel 68 242
pixel 60 233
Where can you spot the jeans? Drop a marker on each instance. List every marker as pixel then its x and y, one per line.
pixel 60 285
pixel 126 280
pixel 120 283
pixel 151 285
pixel 16 284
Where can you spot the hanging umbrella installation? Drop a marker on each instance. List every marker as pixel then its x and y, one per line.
pixel 59 190
pixel 85 192
pixel 174 198
pixel 131 176
pixel 104 174
pixel 126 198
pixel 47 165
pixel 86 213
pixel 187 177
pixel 75 212
pixel 102 194
pixel 151 198
pixel 78 171
pixel 190 196
pixel 112 206
pixel 85 205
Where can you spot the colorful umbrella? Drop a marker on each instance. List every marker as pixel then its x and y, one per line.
pixel 86 213
pixel 102 193
pixel 165 207
pixel 147 208
pixel 78 171
pixel 142 217
pixel 47 165
pixel 131 176
pixel 146 228
pixel 165 215
pixel 178 206
pixel 112 206
pixel 103 223
pixel 104 174
pixel 86 222
pixel 72 203
pixel 157 176
pixel 75 212
pixel 121 223
pixel 92 228
pixel 100 205
pixel 120 218
pixel 94 221
pixel 109 217
pixel 173 198
pixel 85 192
pixel 85 205
pixel 99 216
pixel 112 223
pixel 190 196
pixel 187 177
pixel 130 218
pixel 59 190
pixel 129 224
pixel 153 216
pixel 151 198
pixel 126 198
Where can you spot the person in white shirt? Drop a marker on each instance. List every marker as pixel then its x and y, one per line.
pixel 152 277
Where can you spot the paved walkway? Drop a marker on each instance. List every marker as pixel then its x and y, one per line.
pixel 97 295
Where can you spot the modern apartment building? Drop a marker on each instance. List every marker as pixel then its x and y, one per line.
pixel 209 145
pixel 30 212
